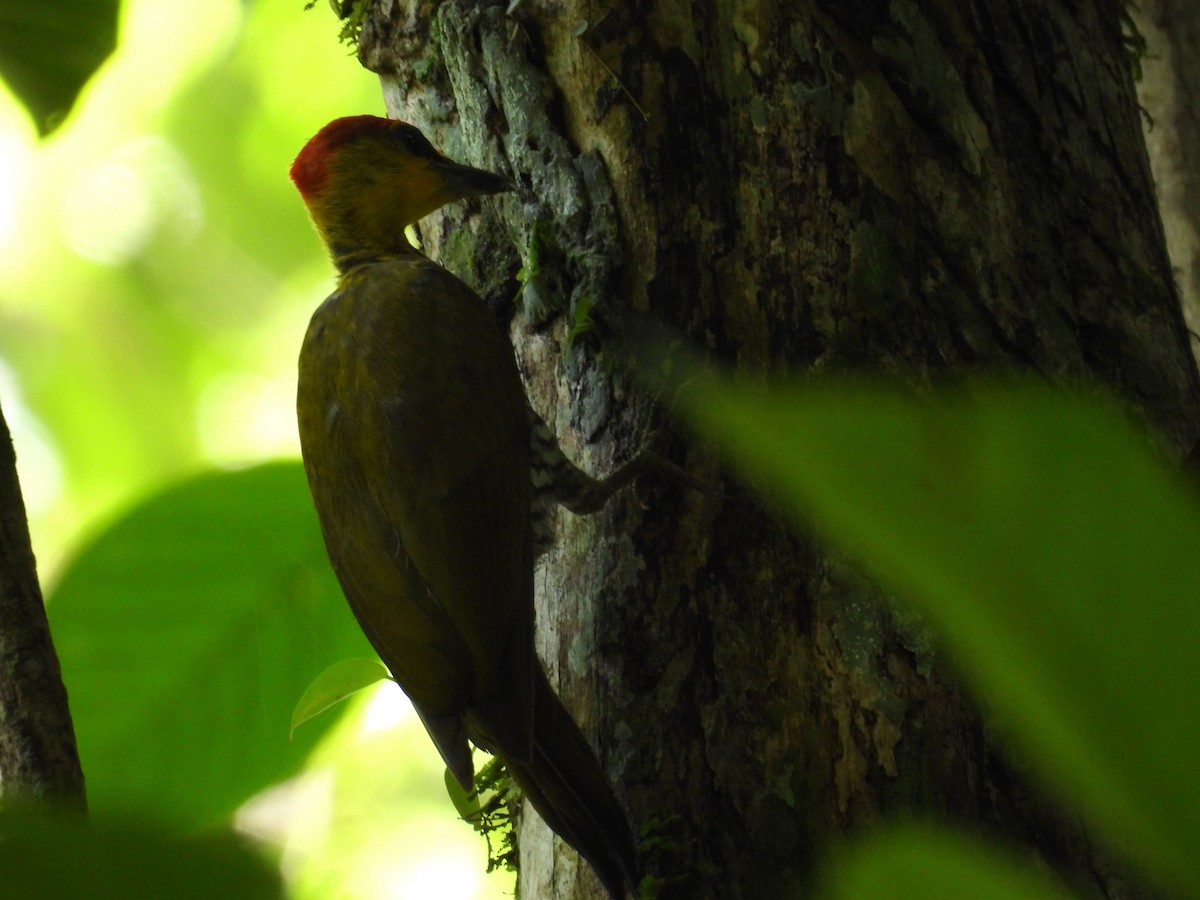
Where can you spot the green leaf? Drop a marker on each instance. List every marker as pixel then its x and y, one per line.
pixel 335 684
pixel 187 631
pixel 532 268
pixel 1054 551
pixel 581 320
pixel 62 858
pixel 48 51
pixel 467 803
pixel 926 863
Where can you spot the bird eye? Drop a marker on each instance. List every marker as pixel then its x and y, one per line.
pixel 414 142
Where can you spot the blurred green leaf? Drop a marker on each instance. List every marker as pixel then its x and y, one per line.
pixel 1057 555
pixel 187 631
pixel 48 51
pixel 341 680
pixel 53 858
pixel 922 862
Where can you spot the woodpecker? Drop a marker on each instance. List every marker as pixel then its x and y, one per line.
pixel 422 453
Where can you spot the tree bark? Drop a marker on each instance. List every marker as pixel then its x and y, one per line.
pixel 925 190
pixel 38 759
pixel 1169 91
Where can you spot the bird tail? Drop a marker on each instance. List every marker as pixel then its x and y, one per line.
pixel 567 786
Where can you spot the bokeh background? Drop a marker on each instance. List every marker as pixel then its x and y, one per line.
pixel 157 271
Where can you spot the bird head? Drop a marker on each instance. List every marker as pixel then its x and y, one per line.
pixel 364 179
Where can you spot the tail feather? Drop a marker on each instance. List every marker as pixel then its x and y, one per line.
pixel 567 786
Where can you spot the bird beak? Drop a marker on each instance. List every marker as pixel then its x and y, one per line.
pixel 464 181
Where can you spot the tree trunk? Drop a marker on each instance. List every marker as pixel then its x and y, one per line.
pixel 921 189
pixel 1169 91
pixel 38 759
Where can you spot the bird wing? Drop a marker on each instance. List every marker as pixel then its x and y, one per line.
pixel 437 558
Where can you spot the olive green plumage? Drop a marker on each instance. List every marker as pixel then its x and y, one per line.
pixel 416 437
